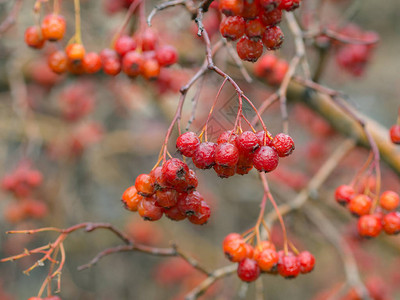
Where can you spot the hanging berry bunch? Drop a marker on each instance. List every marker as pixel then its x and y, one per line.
pixel 254 24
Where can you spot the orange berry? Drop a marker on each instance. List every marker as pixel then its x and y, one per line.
pixel 57 62
pixel 389 200
pixel 91 62
pixel 150 69
pixel 360 205
pixel 34 37
pixel 267 259
pixel 131 198
pixel 75 52
pixel 144 185
pixel 53 27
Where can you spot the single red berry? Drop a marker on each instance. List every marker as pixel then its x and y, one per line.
pixel 289 5
pixel 75 52
pixel 131 198
pixel 144 185
pixel 187 143
pixel 267 259
pixel 175 173
pixel 124 44
pixel 150 69
pixel 224 172
pixel 189 204
pixel 227 137
pixel 263 245
pixel 395 134
pixel 202 215
pixel 247 142
pixel 389 200
pixel 34 178
pixel 111 62
pixel 235 250
pixel 53 27
pixel 149 40
pixel 369 225
pixel 264 138
pixel 264 67
pixel 360 205
pixel 232 28
pixel 149 210
pixel 266 159
pixel 156 175
pixel 280 69
pixel 91 62
pixel 132 63
pixel 248 270
pixel 307 262
pixel 231 7
pixel 249 250
pixel 174 213
pixel 344 193
pixel 231 237
pixel 204 156
pixel 57 62
pixel 166 55
pixel 75 67
pixel 250 9
pixel 249 50
pixel 391 223
pixel 289 266
pixel 226 155
pixel 283 144
pixel 271 18
pixel 269 5
pixel 167 197
pixel 254 29
pixel 273 38
pixel 34 37
pixel 192 181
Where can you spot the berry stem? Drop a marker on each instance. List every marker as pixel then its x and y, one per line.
pixel 56 7
pixel 78 37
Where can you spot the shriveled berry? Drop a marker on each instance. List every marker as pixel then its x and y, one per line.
pixel 124 44
pixel 157 178
pixel 273 38
pixel 144 185
pixel 190 204
pixel 187 143
pixel 254 29
pixel 231 7
pixel 192 181
pixel 202 215
pixel 53 27
pixel 227 137
pixel 91 62
pixel 75 52
pixel 267 259
pixel 271 18
pixel 232 28
pixel 307 262
pixel 57 62
pixel 249 50
pixel 389 200
pixel 266 159
pixel 131 198
pixel 344 193
pixel 247 142
pixel 360 205
pixel 149 210
pixel 283 144
pixel 132 63
pixel 166 55
pixel 34 37
pixel 226 155
pixel 174 213
pixel 369 225
pixel 224 172
pixel 395 134
pixel 391 223
pixel 248 270
pixel 166 198
pixel 289 266
pixel 243 169
pixel 204 156
pixel 175 173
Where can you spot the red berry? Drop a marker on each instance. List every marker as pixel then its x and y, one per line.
pixel 202 215
pixel 227 137
pixel 226 155
pixel 187 143
pixel 166 55
pixel 149 40
pixel 57 62
pixel 250 9
pixel 150 69
pixel 283 144
pixel 111 62
pixel 174 213
pixel 230 237
pixel 190 204
pixel 53 27
pixel 389 200
pixel 266 159
pixel 369 225
pixel 264 138
pixel 273 38
pixel 175 173
pixel 192 181
pixel 264 67
pixel 344 193
pixel 75 52
pixel 235 250
pixel 249 50
pixel 254 29
pixel 124 44
pixel 204 156
pixel 307 262
pixel 248 270
pixel 34 37
pixel 157 178
pixel 224 172
pixel 232 28
pixel 271 18
pixel 289 5
pixel 360 205
pixel 243 169
pixel 270 5
pixel 231 7
pixel 91 62
pixel 267 259
pixel 289 266
pixel 149 210
pixel 131 198
pixel 279 72
pixel 167 198
pixel 247 142
pixel 144 185
pixel 132 63
pixel 391 223
pixel 395 134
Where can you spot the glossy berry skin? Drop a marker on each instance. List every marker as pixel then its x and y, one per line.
pixel 269 5
pixel 75 52
pixel 231 7
pixel 148 209
pixel 175 173
pixel 91 62
pixel 247 142
pixel 248 270
pixel 263 138
pixel 307 262
pixel 111 62
pixel 271 18
pixel 226 155
pixel 131 198
pixel 202 215
pixel 204 156
pixel 344 193
pixel 227 137
pixel 124 44
pixel 34 38
pixel 395 134
pixel 132 63
pixel 288 266
pixel 369 225
pixel 150 69
pixel 389 200
pixel 53 27
pixel 166 55
pixel 232 28
pixel 267 259
pixel 235 250
pixel 266 159
pixel 254 29
pixel 166 198
pixel 174 213
pixel 187 143
pixel 391 223
pixel 230 237
pixel 273 38
pixel 144 185
pixel 289 5
pixel 190 204
pixel 283 144
pixel 360 205
pixel 57 62
pixel 249 50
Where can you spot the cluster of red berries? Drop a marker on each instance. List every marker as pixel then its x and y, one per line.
pixel 254 24
pixel 395 134
pixel 272 69
pixel 370 224
pixel 169 190
pixel 264 258
pixel 236 153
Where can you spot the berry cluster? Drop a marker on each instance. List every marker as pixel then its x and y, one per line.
pixel 270 68
pixel 254 24
pixel 236 154
pixel 371 223
pixel 169 190
pixel 264 258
